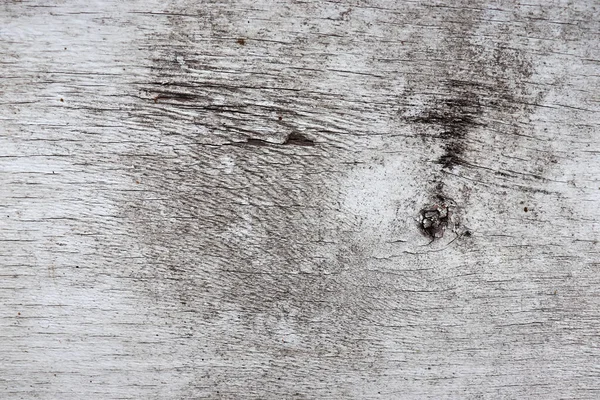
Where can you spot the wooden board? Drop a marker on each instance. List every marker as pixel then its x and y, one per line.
pixel 299 199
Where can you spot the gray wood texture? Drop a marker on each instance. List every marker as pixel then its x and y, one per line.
pixel 299 199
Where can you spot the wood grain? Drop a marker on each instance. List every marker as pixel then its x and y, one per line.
pixel 223 199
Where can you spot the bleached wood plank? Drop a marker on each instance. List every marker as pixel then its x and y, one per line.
pixel 220 199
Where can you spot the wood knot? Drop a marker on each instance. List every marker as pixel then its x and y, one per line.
pixel 435 218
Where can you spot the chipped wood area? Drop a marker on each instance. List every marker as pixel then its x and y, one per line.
pixel 312 200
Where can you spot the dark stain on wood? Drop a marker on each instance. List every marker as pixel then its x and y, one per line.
pixel 297 139
pixel 175 96
pixel 293 139
pixel 453 118
pixel 244 230
pixel 469 107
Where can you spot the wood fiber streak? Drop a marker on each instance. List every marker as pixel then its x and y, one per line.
pixel 222 199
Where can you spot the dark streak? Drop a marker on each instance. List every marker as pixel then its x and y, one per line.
pixel 297 139
pixel 294 139
pixel 258 142
pixel 453 117
pixel 175 96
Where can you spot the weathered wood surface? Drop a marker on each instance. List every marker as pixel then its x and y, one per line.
pixel 218 199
